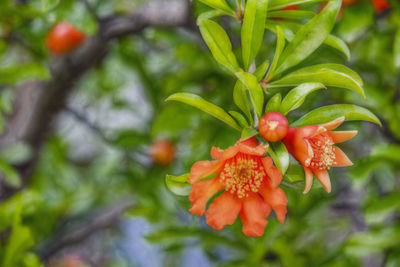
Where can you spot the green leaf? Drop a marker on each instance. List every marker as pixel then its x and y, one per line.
pixel 239 118
pixel 253 28
pixel 297 95
pixel 210 14
pixel 19 242
pixel 379 211
pixel 274 103
pixel 10 175
pixel 280 156
pixel 219 44
pixel 290 28
pixel 130 139
pixel 200 103
pixel 309 37
pixel 338 44
pixel 16 153
pixel 241 99
pixel 219 4
pixel 248 132
pixel 255 90
pixel 280 45
pixel 179 185
pixel 387 151
pixel 294 176
pixel 329 113
pixel 372 241
pixel 261 70
pixel 291 14
pixel 328 74
pixel 30 202
pixel 396 49
pixel 280 4
pixel 19 73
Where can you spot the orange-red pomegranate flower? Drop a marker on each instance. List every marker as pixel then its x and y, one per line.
pixel 250 184
pixel 313 146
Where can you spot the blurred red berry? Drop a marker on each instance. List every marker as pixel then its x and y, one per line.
pixel 64 38
pixel 162 152
pixel 380 5
pixel 273 126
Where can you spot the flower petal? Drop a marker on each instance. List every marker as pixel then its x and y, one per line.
pixel 251 142
pixel 308 180
pixel 230 152
pixel 223 211
pixel 276 198
pixel 341 159
pixel 202 169
pixel 259 150
pixel 323 177
pixel 333 124
pixel 273 173
pixel 254 215
pixel 201 192
pixel 341 136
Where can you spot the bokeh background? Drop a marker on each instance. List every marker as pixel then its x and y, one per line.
pixel 79 186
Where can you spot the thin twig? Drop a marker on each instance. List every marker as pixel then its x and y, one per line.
pixel 73 233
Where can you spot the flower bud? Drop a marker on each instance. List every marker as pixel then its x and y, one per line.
pixel 273 126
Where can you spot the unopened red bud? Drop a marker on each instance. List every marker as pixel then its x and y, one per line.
pixel 273 126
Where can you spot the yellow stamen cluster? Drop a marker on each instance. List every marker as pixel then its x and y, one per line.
pixel 242 174
pixel 324 156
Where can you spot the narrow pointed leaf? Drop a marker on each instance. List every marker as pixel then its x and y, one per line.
pixel 219 44
pixel 241 99
pixel 297 95
pixel 261 70
pixel 210 14
pixel 328 74
pixel 200 103
pixel 248 132
pixel 290 28
pixel 309 37
pixel 179 185
pixel 280 156
pixel 329 113
pixel 253 28
pixel 274 103
pixel 280 45
pixel 10 175
pixel 280 4
pixel 338 44
pixel 255 90
pixel 219 4
pixel 291 14
pixel 294 176
pixel 239 118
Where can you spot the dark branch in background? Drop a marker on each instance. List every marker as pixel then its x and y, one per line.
pixel 37 103
pixel 93 127
pixel 71 234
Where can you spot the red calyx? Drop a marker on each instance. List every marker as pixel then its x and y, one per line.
pixel 273 126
